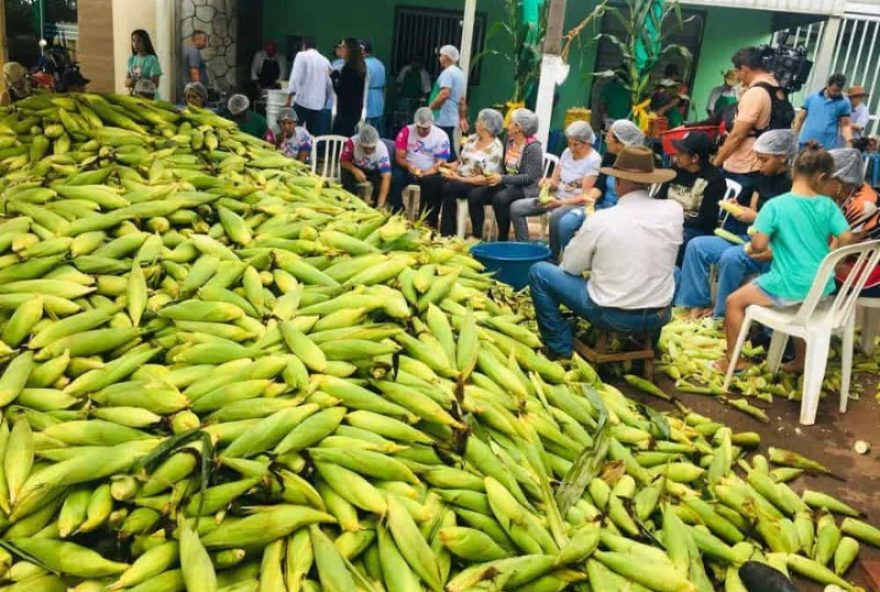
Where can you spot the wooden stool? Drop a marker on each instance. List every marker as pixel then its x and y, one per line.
pixel 412 195
pixel 598 355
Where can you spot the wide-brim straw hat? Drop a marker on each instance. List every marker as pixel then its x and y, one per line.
pixel 636 164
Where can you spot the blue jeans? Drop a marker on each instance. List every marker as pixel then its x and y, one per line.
pixel 566 228
pixel 733 267
pixel 551 287
pixel 749 182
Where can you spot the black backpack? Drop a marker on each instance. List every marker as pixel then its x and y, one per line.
pixel 781 111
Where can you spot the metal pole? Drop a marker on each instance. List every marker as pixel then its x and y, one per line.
pixel 553 70
pixel 467 38
pixel 826 51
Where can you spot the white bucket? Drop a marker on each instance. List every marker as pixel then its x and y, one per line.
pixel 275 100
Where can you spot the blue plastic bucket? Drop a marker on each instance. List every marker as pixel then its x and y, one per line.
pixel 510 260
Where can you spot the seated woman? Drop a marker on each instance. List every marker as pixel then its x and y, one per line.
pixel 293 141
pixel 421 148
pixel 775 149
pixel 365 158
pixel 603 195
pixel 858 200
pixel 800 228
pixel 195 95
pixel 523 168
pixel 479 157
pixel 698 186
pixel 570 183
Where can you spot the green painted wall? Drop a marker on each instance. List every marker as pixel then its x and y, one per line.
pixel 727 30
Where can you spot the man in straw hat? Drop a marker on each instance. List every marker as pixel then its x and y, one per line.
pixel 859 117
pixel 630 251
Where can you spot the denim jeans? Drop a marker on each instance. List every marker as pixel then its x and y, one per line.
pixel 568 225
pixel 551 287
pixel 749 182
pixel 429 199
pixel 732 265
pixel 523 208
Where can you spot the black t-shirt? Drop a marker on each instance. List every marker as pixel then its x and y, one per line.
pixel 699 194
pixel 770 187
pixel 602 180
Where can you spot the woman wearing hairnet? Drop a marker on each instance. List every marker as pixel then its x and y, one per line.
pixel 365 158
pixel 293 140
pixel 480 156
pixel 621 133
pixel 523 167
pixel 195 95
pixel 17 83
pixel 569 186
pixel 775 150
pixel 250 122
pixel 858 200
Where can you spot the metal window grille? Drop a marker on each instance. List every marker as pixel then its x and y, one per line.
pixel 423 31
pixel 856 54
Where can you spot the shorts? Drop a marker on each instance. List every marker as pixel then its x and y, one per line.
pixel 778 301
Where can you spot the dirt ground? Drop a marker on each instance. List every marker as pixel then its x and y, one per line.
pixel 830 441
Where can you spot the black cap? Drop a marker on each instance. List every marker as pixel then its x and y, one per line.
pixel 695 143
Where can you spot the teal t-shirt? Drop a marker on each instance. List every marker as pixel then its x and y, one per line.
pixel 800 229
pixel 144 67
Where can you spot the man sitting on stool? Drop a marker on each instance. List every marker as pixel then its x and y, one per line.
pixel 630 252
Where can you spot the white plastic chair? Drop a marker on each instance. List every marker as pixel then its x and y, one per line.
pixel 551 161
pixel 815 321
pixel 868 317
pixel 332 150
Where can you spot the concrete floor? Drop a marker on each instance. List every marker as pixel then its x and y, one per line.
pixel 830 442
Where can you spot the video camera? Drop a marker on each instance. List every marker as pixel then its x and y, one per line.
pixel 788 64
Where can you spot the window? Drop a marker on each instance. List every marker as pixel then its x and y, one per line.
pixel 423 31
pixel 690 35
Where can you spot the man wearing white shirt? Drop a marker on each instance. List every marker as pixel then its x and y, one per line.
pixel 309 85
pixel 630 252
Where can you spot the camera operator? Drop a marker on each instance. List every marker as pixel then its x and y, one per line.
pixel 762 106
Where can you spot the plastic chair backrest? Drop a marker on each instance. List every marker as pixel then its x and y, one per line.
pixel 333 145
pixel 392 151
pixel 551 161
pixel 866 256
pixel 734 188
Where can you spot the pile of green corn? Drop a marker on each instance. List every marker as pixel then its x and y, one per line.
pixel 689 349
pixel 219 373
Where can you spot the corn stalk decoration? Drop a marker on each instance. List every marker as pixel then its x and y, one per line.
pixel 646 27
pixel 526 39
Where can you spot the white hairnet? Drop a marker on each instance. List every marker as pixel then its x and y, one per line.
pixel 238 104
pixel 627 133
pixel 368 136
pixel 144 86
pixel 526 120
pixel 848 165
pixel 450 51
pixel 777 141
pixel 288 114
pixel 492 120
pixel 424 117
pixel 580 131
pixel 198 88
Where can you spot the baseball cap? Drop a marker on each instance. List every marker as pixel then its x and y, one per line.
pixel 695 143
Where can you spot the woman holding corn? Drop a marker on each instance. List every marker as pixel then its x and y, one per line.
pixel 523 167
pixel 480 157
pixel 567 188
pixel 775 150
pixel 603 195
